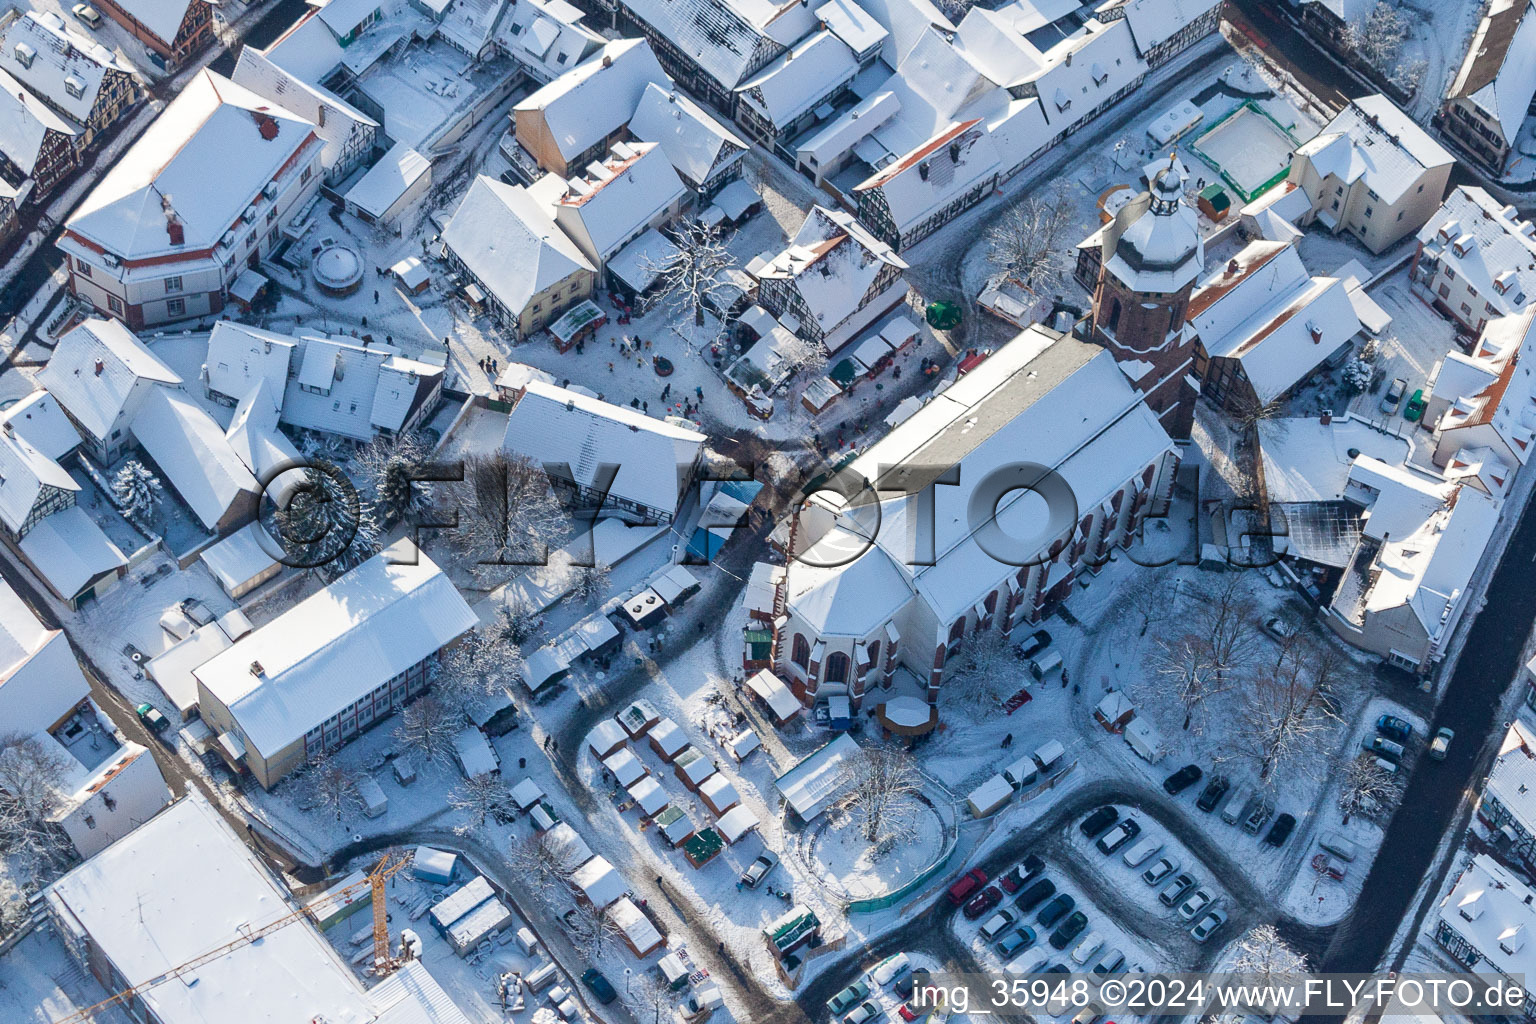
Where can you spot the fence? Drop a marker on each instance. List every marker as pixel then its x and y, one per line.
pixel 890 899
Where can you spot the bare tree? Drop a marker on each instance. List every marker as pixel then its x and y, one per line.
pixel 327 784
pixel 391 465
pixel 590 930
pixel 1377 37
pixel 1364 786
pixel 590 582
pixel 1284 716
pixel 1029 243
pixel 881 785
pixel 647 995
pixel 539 860
pixel 1182 668
pixel 482 665
pixel 1267 960
pixel 691 277
pixel 508 512
pixel 801 355
pixel 1149 603
pixel 955 10
pixel 989 673
pixel 31 776
pixel 481 798
pixel 1228 622
pixel 13 905
pixel 428 726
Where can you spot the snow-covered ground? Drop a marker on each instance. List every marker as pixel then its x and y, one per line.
pixel 40 983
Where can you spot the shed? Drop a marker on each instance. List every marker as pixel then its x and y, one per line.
pixel 819 394
pixel 606 737
pixel 667 739
pixel 718 793
pixel 794 929
pixel 340 901
pixel 675 825
pixel 496 715
pixel 474 754
pixel 566 846
pixel 1114 712
pixel 599 882
pixel 543 816
pixel 810 786
pixel 526 793
pixel 780 701
pixel 900 332
pixel 675 585
pixel 404 770
pixel 743 743
pixel 1214 202
pixel 431 865
pixel 1145 740
pixel 544 666
pixel 673 971
pixel 638 718
pixel 375 803
pixel 477 926
pixel 460 902
pixel 640 935
pixel 597 634
pixel 736 823
pixel 1048 755
pixel 692 767
pixel 234 624
pixel 244 560
pixel 626 767
pixel 412 274
pixel 704 846
pixel 645 609
pixel 988 797
pixel 873 355
pixel 650 796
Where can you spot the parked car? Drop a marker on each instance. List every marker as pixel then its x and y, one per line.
pixel 1182 779
pixel 863 1013
pixel 87 14
pixel 892 969
pixel 983 901
pixel 1208 924
pixel 1394 396
pixel 1160 869
pixel 907 1013
pixel 1140 852
pixel 1021 874
pixel 1020 938
pixel 1088 948
pixel 195 610
pixel 1195 902
pixel 151 717
pixel 1281 830
pixel 848 998
pixel 1258 817
pixel 1033 644
pixel 602 990
pixel 1393 728
pixel 1099 821
pixel 995 924
pixel 1415 406
pixel 1090 1014
pixel 1213 792
pixel 1339 846
pixel 1109 962
pixel 1278 628
pixel 1118 836
pixel 1384 748
pixel 1441 744
pixel 966 884
pixel 1174 891
pixel 1034 894
pixel 759 869
pixel 1055 910
pixel 1070 929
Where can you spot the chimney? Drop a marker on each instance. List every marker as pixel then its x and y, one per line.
pixel 607 61
pixel 173 225
pixel 100 366
pixel 256 669
pixel 1326 418
pixel 1232 265
pixel 265 124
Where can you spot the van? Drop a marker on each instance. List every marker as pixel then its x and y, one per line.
pixel 1141 852
pixel 1045 663
pixel 540 977
pixel 1233 810
pixel 1048 755
pixel 895 967
pixel 1022 772
pixel 1337 845
pixel 1258 816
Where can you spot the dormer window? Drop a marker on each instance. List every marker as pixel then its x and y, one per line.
pixel 74 86
pixel 922 171
pixel 25 55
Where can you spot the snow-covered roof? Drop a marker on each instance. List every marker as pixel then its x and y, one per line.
pixel 40 421
pixel 1085 70
pixel 96 399
pixel 396 173
pixel 1372 140
pixel 65 68
pixel 205 158
pixel 995 42
pixel 39 677
pixel 241 557
pixel 264 449
pixel 737 822
pixel 935 172
pixel 1498 73
pixel 509 242
pixel 25 123
pixel 720 792
pixel 1512 781
pixel 239 355
pixel 1156 21
pixel 803 76
pixel 625 766
pixel 24 473
pixel 1487 244
pixel 637 929
pixel 599 882
pixel 70 550
pixel 335 646
pixel 1153 244
pixel 162 17
pixel 1492 385
pixel 650 795
pixel 905 21
pixel 833 262
pixel 412 996
pixel 1306 459
pixel 641 262
pixel 1494 912
pixel 546 35
pixel 193 453
pixel 343 16
pixel 474 753
pixel 468 24
pixel 726 37
pixel 844 131
pixel 668 736
pixel 697 145
pixel 851 23
pixel 592 100
pixel 818 779
pixel 555 425
pixel 336 121
pixel 172 668
pixel 616 197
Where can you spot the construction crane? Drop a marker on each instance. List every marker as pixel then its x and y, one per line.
pixel 384 961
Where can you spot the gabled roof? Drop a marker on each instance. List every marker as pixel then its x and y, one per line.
pixel 24 124
pixel 336 646
pixel 206 157
pixel 588 103
pixel 1372 139
pixel 906 21
pixel 94 399
pixel 193 453
pixel 726 37
pixel 1156 21
pixel 853 24
pixel 935 172
pixel 693 141
pixel 990 41
pixel 257 72
pixel 24 472
pixel 1082 72
pixel 508 240
pixel 239 354
pixel 162 17
pixel 468 24
pixel 833 261
pixel 64 62
pixel 69 550
pixel 551 424
pixel 1492 383
pixel 40 421
pixel 804 75
pixel 617 197
pixel 547 34
pixel 1498 73
pixel 1487 244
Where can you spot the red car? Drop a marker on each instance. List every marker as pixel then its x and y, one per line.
pixel 968 883
pixel 983 902
pixel 907 1013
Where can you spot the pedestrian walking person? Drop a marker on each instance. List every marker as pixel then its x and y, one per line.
pixel 375 296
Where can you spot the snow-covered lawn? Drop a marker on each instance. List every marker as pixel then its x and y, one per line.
pixel 849 862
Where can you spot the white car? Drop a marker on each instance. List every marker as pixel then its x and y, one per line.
pixel 1207 925
pixel 1088 948
pixel 996 924
pixel 1195 902
pixel 87 14
pixel 891 970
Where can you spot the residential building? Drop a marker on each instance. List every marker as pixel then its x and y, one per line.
pixel 1492 92
pixel 204 194
pixel 38 146
pixel 1406 586
pixel 1083 74
pixel 1508 802
pixel 1163 29
pixel 39 420
pixel 581 441
pixel 703 152
pixel 106 785
pixel 505 241
pixel 1476 260
pixel 332 666
pixel 1372 172
pixel 100 375
pixel 10 195
pixel 783 99
pixel 546 38
pixel 858 28
pixel 76 77
pixel 178 438
pixel 1485 922
pixel 1478 403
pixel 1150 256
pixel 911 198
pixel 832 281
pixel 615 201
pixel 1264 325
pixel 863 594
pixel 124 917
pixel 347 135
pixel 173 30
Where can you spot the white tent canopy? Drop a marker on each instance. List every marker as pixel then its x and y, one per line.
pixel 599 882
pixel 736 822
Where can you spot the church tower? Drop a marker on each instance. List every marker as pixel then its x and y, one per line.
pixel 1152 256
